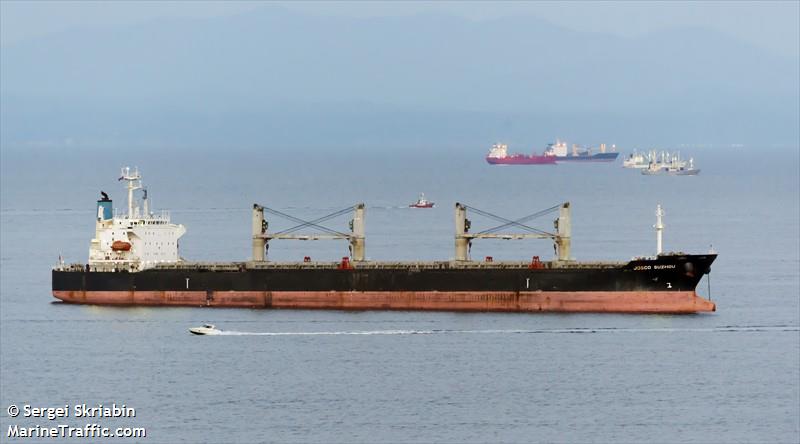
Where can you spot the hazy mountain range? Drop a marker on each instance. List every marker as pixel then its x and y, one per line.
pixel 279 78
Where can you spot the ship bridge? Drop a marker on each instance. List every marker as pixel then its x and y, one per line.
pixel 136 240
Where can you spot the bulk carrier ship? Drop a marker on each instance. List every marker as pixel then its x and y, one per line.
pixel 134 260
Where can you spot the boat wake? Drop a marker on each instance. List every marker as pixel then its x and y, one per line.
pixel 333 333
pixel 723 329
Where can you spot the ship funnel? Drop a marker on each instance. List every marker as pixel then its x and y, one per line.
pixel 104 207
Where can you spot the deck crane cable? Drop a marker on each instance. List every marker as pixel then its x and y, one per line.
pixel 305 223
pixel 313 223
pixel 509 222
pixel 521 220
pixel 316 221
pixel 518 222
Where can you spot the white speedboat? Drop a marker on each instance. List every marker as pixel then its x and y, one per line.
pixel 206 329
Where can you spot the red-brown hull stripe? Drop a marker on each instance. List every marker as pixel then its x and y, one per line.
pixel 551 301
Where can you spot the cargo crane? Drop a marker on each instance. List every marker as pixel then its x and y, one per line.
pixel 561 238
pixel 261 236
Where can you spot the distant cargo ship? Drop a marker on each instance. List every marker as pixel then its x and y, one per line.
pixel 672 165
pixel 579 154
pixel 498 155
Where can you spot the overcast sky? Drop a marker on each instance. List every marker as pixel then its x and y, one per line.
pixel 774 26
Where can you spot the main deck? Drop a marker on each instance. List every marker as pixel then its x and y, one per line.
pixel 361 265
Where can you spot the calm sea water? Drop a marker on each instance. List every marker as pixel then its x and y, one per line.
pixel 730 376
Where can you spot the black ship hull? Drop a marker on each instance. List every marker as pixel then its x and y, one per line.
pixel 663 284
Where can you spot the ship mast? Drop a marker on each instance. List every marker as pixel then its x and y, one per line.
pixel 134 183
pixel 659 226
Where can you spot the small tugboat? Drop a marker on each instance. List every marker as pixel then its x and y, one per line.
pixel 422 202
pixel 206 329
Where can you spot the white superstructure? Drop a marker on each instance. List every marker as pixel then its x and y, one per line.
pixel 498 151
pixel 670 163
pixel 559 148
pixel 136 240
pixel 639 160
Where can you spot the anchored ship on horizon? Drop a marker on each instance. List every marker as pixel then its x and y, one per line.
pixel 134 260
pixel 654 163
pixel 671 164
pixel 559 150
pixel 498 155
pixel 554 153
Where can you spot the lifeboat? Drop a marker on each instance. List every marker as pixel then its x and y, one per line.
pixel 121 246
